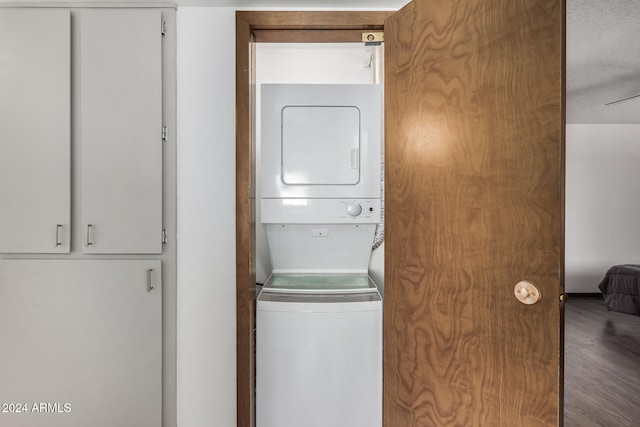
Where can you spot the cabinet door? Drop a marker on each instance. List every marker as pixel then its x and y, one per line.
pixel 120 113
pixel 84 338
pixel 35 50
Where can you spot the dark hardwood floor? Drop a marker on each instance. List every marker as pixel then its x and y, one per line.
pixel 602 365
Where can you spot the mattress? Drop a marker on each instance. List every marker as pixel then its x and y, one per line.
pixel 621 288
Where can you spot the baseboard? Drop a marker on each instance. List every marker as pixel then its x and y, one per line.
pixel 585 294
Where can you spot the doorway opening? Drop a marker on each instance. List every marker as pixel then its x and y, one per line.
pixel 253 28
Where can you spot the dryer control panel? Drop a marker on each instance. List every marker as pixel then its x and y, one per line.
pixel 320 211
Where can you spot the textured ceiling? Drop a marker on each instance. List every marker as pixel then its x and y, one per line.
pixel 603 49
pixel 603 61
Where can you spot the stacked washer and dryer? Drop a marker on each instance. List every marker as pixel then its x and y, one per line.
pixel 319 315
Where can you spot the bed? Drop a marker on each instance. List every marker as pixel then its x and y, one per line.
pixel 621 288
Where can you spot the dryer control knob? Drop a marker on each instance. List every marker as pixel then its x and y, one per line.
pixel 354 209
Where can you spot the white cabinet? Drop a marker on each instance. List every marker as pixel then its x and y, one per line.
pixel 83 95
pixel 120 87
pixel 93 86
pixel 84 337
pixel 35 93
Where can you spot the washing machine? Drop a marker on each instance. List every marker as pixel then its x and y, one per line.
pixel 319 352
pixel 319 315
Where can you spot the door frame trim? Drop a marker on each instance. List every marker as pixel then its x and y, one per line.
pixel 252 27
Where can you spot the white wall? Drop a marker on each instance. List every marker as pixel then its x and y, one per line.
pixel 602 201
pixel 206 317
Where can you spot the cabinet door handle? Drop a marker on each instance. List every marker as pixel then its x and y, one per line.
pixel 149 286
pixel 57 235
pixel 87 235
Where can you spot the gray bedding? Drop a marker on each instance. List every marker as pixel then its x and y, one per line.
pixel 621 288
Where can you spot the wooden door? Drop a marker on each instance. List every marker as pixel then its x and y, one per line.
pixel 120 114
pixel 474 198
pixel 35 154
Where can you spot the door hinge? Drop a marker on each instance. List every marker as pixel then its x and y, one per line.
pixel 163 29
pixel 164 236
pixel 164 133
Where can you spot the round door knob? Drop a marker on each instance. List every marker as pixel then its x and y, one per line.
pixel 354 209
pixel 526 292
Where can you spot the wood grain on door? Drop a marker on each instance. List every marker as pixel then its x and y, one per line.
pixel 474 195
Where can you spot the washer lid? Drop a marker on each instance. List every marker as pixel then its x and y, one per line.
pixel 319 303
pixel 320 283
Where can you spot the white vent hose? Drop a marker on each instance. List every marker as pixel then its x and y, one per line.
pixel 378 237
pixel 377 60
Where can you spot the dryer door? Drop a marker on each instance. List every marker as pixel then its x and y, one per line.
pixel 320 145
pixel 320 141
